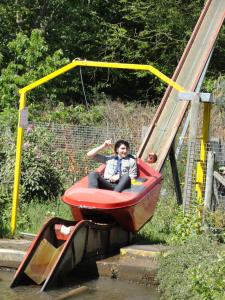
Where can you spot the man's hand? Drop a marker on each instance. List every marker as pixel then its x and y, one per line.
pixel 107 143
pixel 115 178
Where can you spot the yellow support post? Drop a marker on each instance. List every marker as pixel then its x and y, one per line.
pixel 201 165
pixel 49 77
pixel 19 145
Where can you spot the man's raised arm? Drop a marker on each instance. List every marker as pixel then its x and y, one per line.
pixel 94 151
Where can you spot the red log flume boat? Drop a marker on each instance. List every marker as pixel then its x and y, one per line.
pixel 131 209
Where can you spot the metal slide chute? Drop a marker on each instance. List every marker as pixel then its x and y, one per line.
pixel 61 246
pixel 170 112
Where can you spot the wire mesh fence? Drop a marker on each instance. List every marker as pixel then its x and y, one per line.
pixel 53 158
pixel 195 164
pixel 7 158
pixel 67 145
pixel 73 142
pixel 64 147
pixel 218 148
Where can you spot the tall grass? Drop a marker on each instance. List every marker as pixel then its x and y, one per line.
pixel 34 214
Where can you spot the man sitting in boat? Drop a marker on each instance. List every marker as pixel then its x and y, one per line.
pixel 120 168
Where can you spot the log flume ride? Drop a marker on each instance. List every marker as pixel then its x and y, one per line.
pixel 105 220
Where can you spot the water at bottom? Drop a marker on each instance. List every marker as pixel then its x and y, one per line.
pixel 100 289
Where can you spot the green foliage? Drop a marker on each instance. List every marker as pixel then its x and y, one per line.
pixel 190 271
pixel 124 31
pixel 185 226
pixel 79 114
pixel 194 266
pixel 219 92
pixel 40 178
pixel 215 221
pixel 34 214
pixel 159 228
pixel 208 277
pixel 7 153
pixel 8 118
pixel 147 33
pixel 29 62
pixel 5 208
pixel 169 224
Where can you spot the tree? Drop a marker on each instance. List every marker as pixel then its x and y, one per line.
pixel 29 61
pixel 138 31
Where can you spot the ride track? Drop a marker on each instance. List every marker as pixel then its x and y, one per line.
pixel 170 112
pixel 85 240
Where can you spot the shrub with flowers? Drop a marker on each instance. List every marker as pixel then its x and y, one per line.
pixel 40 177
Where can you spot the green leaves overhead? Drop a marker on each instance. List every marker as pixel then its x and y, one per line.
pixel 30 61
pixel 146 32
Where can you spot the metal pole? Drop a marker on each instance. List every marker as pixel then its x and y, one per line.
pixel 176 180
pixel 19 145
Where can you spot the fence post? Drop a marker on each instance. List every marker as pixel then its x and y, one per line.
pixel 209 180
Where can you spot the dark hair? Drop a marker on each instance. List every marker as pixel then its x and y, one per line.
pixel 119 143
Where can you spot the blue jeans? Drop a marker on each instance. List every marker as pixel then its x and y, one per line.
pixel 96 181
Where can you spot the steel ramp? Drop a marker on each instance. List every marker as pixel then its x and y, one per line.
pixel 63 245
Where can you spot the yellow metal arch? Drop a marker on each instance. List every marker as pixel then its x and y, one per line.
pixel 49 77
pixel 98 64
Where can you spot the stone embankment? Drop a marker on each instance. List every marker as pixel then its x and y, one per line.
pixel 137 263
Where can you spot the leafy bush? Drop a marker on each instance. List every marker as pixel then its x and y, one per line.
pixel 40 176
pixel 208 277
pixel 39 179
pixel 194 267
pixel 194 270
pixel 27 52
pixel 184 226
pixel 5 208
pixel 219 91
pixel 9 118
pixel 62 114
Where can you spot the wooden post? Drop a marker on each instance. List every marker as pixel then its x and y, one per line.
pixel 176 180
pixel 72 293
pixel 219 177
pixel 209 181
